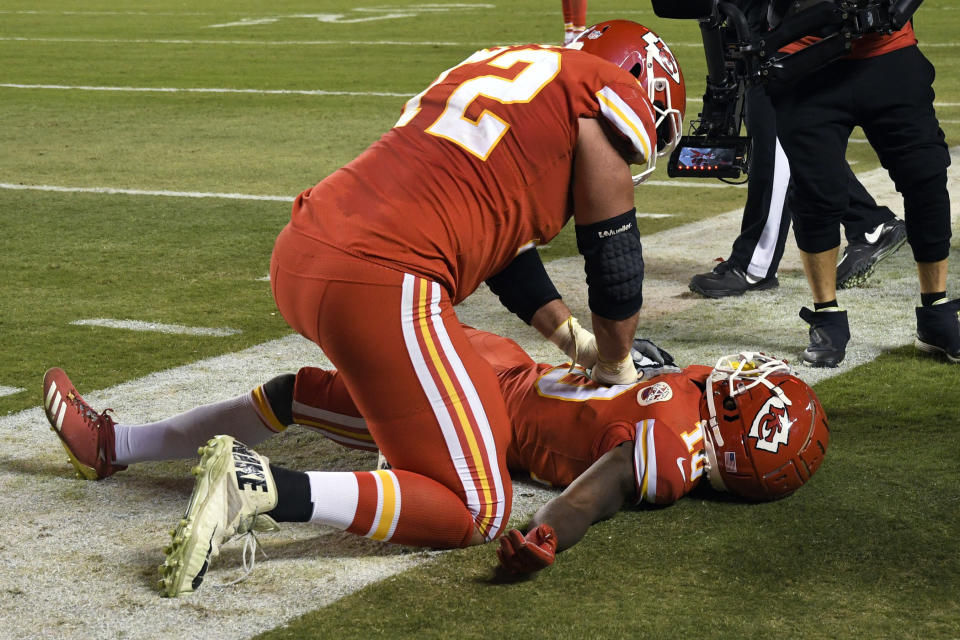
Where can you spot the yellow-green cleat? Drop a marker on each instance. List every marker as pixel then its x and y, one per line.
pixel 234 489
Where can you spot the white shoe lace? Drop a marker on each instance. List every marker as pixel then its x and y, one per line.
pixel 251 544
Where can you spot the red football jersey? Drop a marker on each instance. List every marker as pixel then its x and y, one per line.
pixel 478 167
pixel 564 422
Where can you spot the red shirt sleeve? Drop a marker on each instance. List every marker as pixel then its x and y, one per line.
pixel 868 46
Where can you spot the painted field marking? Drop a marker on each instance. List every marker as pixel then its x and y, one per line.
pixel 249 196
pixel 334 18
pixel 265 43
pixel 228 90
pixel 143 192
pixel 328 43
pixel 156 327
pixel 9 391
pixel 34 12
pixel 299 92
pixel 379 13
pixel 423 8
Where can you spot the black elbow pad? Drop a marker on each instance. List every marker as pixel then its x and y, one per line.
pixel 523 286
pixel 613 261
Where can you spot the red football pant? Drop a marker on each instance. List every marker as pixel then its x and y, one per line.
pixel 321 400
pixel 575 13
pixel 432 404
pixel 394 505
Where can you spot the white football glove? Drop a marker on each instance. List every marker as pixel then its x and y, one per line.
pixel 579 344
pixel 615 372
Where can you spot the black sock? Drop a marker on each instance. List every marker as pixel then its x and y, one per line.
pixel 293 491
pixel 820 306
pixel 927 299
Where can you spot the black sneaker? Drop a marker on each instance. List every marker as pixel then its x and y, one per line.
pixel 829 334
pixel 859 259
pixel 938 329
pixel 727 279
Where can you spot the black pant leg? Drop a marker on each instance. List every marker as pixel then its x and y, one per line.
pixel 814 119
pixel 902 127
pixel 766 219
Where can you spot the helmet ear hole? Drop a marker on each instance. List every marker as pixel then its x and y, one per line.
pixel 729 404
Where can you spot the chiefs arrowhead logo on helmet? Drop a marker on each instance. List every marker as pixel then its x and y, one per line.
pixel 771 425
pixel 766 432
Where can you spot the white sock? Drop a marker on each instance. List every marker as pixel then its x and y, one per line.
pixel 181 435
pixel 335 496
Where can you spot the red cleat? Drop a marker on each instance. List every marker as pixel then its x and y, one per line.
pixel 85 434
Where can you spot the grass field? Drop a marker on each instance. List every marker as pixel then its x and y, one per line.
pixel 148 156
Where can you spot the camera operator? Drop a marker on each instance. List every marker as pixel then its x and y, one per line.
pixel 872 231
pixel 884 85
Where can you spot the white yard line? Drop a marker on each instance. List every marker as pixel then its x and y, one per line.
pixel 144 192
pixel 156 327
pixel 684 184
pixel 228 90
pixel 9 391
pixel 299 92
pixel 256 43
pixel 324 43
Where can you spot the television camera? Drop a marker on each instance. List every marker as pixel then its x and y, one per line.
pixel 737 56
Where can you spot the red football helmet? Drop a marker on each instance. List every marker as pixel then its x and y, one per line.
pixel 633 47
pixel 765 431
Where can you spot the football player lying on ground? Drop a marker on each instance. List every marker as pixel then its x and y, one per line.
pixel 756 430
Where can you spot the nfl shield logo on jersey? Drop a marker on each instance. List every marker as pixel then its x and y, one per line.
pixel 659 392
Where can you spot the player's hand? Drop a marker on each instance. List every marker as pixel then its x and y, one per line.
pixel 615 372
pixel 526 554
pixel 579 344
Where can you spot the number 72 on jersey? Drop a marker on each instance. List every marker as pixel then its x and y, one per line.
pixel 480 136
